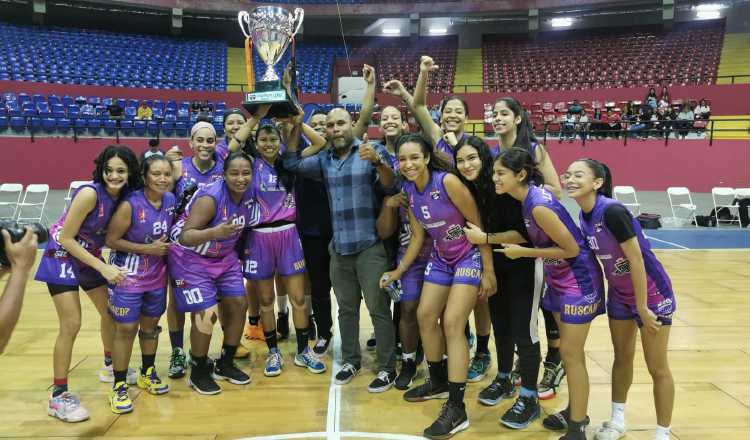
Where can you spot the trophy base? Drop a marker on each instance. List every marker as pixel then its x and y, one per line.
pixel 271 92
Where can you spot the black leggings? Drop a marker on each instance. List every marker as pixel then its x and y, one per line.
pixel 317 261
pixel 514 311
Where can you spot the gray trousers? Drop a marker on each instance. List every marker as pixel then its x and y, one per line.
pixel 354 277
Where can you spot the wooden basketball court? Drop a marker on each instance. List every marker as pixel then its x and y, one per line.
pixel 710 360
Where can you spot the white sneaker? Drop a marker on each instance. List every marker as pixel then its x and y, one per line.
pixel 67 407
pixel 107 374
pixel 610 431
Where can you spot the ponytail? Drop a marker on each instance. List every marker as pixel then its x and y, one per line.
pixel 517 159
pixel 600 171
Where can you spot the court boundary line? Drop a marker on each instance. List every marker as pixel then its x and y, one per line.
pixel 668 242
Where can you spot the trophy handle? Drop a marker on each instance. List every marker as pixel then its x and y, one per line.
pixel 243 17
pixel 299 15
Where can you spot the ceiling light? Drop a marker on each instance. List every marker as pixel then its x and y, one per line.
pixel 561 22
pixel 710 7
pixel 707 15
pixel 391 31
pixel 438 30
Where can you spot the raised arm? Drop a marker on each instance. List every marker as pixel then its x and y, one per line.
pixel 421 113
pixel 368 103
pixel 464 201
pixel 396 88
pixel 317 142
pixel 81 205
pixel 240 138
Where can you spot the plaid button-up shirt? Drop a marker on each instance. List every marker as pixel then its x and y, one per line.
pixel 353 187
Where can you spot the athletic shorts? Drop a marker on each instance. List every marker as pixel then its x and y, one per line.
pixel 622 311
pixel 467 270
pixel 273 250
pixel 412 280
pixel 198 282
pixel 127 307
pixel 63 273
pixel 574 309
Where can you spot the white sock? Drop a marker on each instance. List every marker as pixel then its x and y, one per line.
pixel 618 414
pixel 308 304
pixel 407 356
pixel 281 303
pixel 662 433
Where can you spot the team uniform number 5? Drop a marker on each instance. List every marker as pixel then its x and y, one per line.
pixel 426 212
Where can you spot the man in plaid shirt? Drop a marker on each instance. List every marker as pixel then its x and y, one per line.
pixel 354 172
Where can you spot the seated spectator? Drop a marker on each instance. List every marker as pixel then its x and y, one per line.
pixel 651 98
pixel 195 107
pixel 87 110
pixel 664 95
pixel 575 107
pixel 568 127
pixel 613 124
pixel 206 107
pixel 685 119
pixel 703 110
pixel 115 111
pixel 80 100
pixel 663 104
pixel 583 126
pixel 153 149
pixel 657 127
pixel 144 112
pixel 598 124
pixel 669 121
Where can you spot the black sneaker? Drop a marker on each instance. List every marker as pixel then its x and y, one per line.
pixel 371 343
pixel 382 382
pixel 576 431
pixel 426 391
pixel 498 390
pixel 201 381
pixel 523 412
pixel 313 332
pixel 282 326
pixel 452 419
pixel 321 346
pixel 346 374
pixel 406 376
pixel 559 420
pixel 227 370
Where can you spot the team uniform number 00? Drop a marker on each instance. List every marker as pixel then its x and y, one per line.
pixel 193 296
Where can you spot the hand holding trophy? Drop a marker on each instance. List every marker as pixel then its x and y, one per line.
pixel 270 29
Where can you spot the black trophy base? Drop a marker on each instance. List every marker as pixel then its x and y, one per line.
pixel 271 92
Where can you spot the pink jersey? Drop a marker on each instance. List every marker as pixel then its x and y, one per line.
pixel 276 204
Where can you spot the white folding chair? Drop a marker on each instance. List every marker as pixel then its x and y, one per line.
pixel 74 185
pixel 10 193
pixel 626 196
pixel 35 198
pixel 680 198
pixel 723 197
pixel 742 193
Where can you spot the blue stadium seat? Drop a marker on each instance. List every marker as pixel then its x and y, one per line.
pixel 17 123
pixel 139 127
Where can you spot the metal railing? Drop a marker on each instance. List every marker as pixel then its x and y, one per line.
pixel 517 86
pixel 555 130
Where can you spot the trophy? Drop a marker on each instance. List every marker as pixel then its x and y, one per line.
pixel 270 29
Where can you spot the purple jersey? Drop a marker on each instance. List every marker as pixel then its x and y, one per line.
pixel 191 174
pixel 440 217
pixel 147 224
pixel 276 204
pixel 616 265
pixel 404 237
pixel 577 276
pixel 222 149
pixel 444 147
pixel 245 213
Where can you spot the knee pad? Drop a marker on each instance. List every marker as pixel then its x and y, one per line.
pixel 153 334
pixel 205 320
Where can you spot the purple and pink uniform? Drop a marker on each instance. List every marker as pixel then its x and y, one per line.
pixel 212 268
pixel 143 291
pixel 412 280
pixel 191 174
pixel 574 285
pixel 273 245
pixel 222 149
pixel 453 259
pixel 444 147
pixel 621 302
pixel 57 266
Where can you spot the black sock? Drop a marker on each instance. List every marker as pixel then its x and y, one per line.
pixel 302 337
pixel 553 355
pixel 176 338
pixel 577 427
pixel 270 338
pixel 482 344
pixel 59 389
pixel 438 374
pixel 147 360
pixel 121 376
pixel 227 352
pixel 200 362
pixel 253 320
pixel 456 393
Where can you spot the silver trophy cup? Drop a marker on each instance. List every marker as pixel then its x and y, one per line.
pixel 271 29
